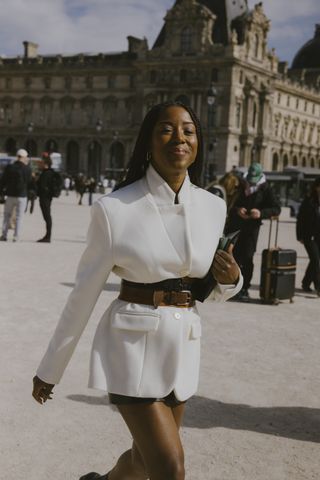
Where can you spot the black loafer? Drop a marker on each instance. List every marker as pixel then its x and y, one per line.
pixel 91 476
pixel 94 476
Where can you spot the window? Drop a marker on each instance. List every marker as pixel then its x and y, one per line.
pixel 241 77
pixel 305 106
pixel 186 40
pixel 214 75
pixel 297 103
pixel 288 101
pixel 153 76
pixel 279 98
pixel 254 116
pixel 238 115
pixel 183 76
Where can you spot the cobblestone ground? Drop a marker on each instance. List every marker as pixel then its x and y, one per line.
pixel 255 417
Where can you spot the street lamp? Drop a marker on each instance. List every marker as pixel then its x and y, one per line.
pixel 99 125
pixel 211 101
pixel 30 127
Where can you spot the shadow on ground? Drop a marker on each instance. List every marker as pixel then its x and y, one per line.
pixel 298 423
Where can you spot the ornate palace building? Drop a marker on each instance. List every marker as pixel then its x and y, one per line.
pixel 211 54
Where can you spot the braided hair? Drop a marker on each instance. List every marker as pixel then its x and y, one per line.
pixel 138 163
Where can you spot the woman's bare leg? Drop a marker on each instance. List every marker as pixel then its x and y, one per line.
pixel 156 451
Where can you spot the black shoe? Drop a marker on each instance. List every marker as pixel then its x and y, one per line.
pixel 244 295
pixel 91 476
pixel 44 240
pixel 3 238
pixel 306 288
pixel 94 476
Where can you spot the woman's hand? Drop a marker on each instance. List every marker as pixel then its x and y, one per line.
pixel 224 268
pixel 42 391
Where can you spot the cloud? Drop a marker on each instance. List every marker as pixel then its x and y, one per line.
pixel 74 26
pixel 78 25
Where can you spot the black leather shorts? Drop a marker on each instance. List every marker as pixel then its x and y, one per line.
pixel 169 400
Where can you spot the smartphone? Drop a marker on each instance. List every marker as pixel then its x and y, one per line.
pixel 226 240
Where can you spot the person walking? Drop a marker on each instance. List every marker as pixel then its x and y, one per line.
pixel 308 233
pixel 45 188
pixel 159 232
pixel 14 184
pixel 254 202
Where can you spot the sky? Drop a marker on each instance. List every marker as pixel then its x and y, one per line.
pixel 84 26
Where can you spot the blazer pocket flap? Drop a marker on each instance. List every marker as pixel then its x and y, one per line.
pixel 136 322
pixel 195 331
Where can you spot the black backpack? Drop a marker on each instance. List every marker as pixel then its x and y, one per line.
pixel 56 184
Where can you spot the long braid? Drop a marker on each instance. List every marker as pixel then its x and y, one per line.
pixel 138 163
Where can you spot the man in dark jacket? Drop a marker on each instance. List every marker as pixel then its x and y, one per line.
pixel 255 202
pixel 45 188
pixel 308 233
pixel 14 184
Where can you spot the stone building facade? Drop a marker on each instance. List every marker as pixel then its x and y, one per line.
pixel 211 54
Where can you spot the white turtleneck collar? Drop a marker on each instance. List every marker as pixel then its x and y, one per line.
pixel 162 193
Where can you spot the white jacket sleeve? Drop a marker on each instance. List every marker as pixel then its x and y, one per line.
pixel 93 271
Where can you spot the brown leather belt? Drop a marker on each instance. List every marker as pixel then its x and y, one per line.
pixel 157 298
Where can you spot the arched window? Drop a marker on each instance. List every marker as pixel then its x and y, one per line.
pixel 304 162
pixel 275 162
pixel 313 163
pixel 285 160
pixel 11 146
pixel 31 147
pixel 186 40
pixel 295 161
pixel 94 160
pixel 72 164
pixel 256 46
pixel 254 115
pixel 51 145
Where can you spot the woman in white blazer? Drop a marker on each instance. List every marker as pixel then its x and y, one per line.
pixel 159 232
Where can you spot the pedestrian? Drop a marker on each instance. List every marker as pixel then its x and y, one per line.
pixel 158 232
pixel 14 184
pixel 32 192
pixel 67 184
pixel 254 201
pixel 80 185
pixel 46 192
pixel 308 233
pixel 91 187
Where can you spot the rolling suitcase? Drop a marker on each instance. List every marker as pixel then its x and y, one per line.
pixel 278 271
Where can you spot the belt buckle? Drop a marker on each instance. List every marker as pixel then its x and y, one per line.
pixel 188 299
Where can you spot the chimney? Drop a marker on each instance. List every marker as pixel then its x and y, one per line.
pixel 30 49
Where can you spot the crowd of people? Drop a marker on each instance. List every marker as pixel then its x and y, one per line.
pixel 20 187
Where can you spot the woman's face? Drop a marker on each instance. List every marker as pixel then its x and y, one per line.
pixel 174 142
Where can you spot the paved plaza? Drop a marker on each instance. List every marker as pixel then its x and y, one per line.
pixel 256 415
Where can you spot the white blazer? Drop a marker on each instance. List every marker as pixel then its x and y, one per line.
pixel 140 234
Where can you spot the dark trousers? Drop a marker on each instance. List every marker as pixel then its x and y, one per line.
pixel 312 273
pixel 45 205
pixel 243 253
